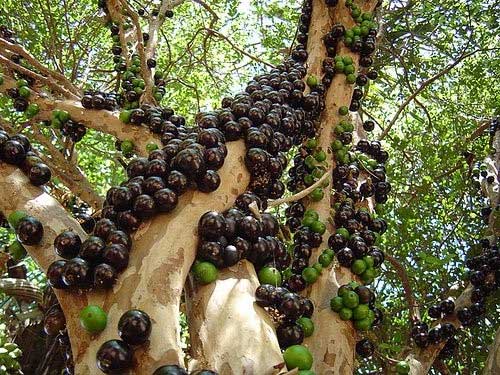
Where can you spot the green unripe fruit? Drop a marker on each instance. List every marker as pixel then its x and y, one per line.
pixel 343 110
pixel 350 299
pixel 125 116
pixel 311 143
pixel 336 304
pixel 402 367
pixel 17 250
pixel 93 319
pixel 349 34
pixel 63 116
pixel 349 69
pixel 310 275
pixel 369 261
pixel 348 40
pixel 343 232
pixel 368 275
pixel 308 221
pixel 312 81
pixel 363 324
pixel 310 162
pixel 307 326
pixel 339 66
pixel 356 30
pixel 351 78
pixel 320 156
pixel 21 83
pixel 24 91
pixel 151 147
pixel 345 313
pixel 318 172
pixel 32 110
pixel 318 227
pixel 139 90
pixel 317 194
pixel 287 273
pixel 325 259
pixel 158 96
pixel 205 272
pixel 353 284
pixel 360 312
pixel 298 356
pixel 329 252
pixel 336 145
pixel 358 267
pixel 306 372
pixel 347 60
pixel 338 129
pixel 15 217
pixel 309 179
pixel 318 267
pixel 127 146
pixel 311 213
pixel 56 123
pixel 270 275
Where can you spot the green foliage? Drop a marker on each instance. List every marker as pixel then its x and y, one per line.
pixel 433 209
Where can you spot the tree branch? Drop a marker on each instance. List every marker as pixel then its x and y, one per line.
pixel 492 365
pixel 100 120
pixel 423 86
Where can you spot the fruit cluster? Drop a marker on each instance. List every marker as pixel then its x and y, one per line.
pixel 357 303
pixel 94 262
pixel 101 100
pixel 20 96
pixel 54 324
pixel 116 356
pixel 293 313
pixel 16 150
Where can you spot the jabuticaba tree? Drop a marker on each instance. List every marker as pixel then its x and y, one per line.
pixel 194 219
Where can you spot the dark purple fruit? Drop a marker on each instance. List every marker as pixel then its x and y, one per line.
pixel 76 273
pixel 170 370
pixel 289 334
pixel 54 274
pixel 39 174
pixel 166 200
pixel 67 244
pixel 29 231
pixel 92 249
pixel 13 152
pixel 114 357
pixel 212 225
pixel 54 321
pixel 365 348
pixel 134 327
pixel 116 256
pixel 104 276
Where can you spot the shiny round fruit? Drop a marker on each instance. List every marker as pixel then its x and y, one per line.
pixel 170 370
pixel 54 321
pixel 30 231
pixel 114 357
pixel 67 244
pixel 298 356
pixel 307 326
pixel 205 272
pixel 270 275
pixel 134 327
pixel 93 319
pixel 365 348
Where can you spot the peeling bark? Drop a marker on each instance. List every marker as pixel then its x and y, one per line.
pixel 229 332
pixel 162 253
pixel 333 343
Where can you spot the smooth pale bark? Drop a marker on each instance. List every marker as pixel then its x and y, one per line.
pixel 162 253
pixel 493 362
pixel 333 342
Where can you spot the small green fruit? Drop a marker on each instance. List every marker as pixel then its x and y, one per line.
pixel 325 259
pixel 151 147
pixel 345 313
pixel 127 146
pixel 298 356
pixel 363 324
pixel 310 275
pixel 307 326
pixel 402 367
pixel 21 83
pixel 270 275
pixel 125 116
pixel 93 319
pixel 63 115
pixel 317 194
pixel 360 312
pixel 318 227
pixel 312 81
pixel 24 91
pixel 343 110
pixel 205 272
pixel 336 304
pixel 311 143
pixel 350 299
pixel 16 250
pixel 358 267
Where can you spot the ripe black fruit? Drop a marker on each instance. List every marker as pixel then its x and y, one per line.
pixel 39 174
pixel 67 244
pixel 116 256
pixel 104 276
pixel 170 370
pixel 76 273
pixel 54 274
pixel 30 231
pixel 365 348
pixel 13 152
pixel 114 357
pixel 134 327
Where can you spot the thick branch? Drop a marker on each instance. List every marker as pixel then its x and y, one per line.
pixel 492 365
pixel 333 344
pixel 15 48
pixel 100 120
pixel 22 289
pixel 161 257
